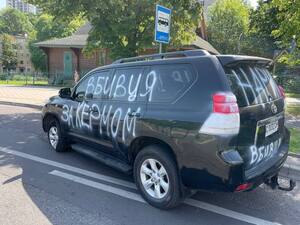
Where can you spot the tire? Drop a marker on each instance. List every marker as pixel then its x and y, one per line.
pixel 168 194
pixel 55 137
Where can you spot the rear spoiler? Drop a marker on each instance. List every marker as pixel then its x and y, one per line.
pixel 230 60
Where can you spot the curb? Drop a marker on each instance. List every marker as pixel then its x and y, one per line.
pixel 21 104
pixel 295 155
pixel 290 171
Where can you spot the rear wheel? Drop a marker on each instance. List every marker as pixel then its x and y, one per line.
pixel 156 176
pixel 56 140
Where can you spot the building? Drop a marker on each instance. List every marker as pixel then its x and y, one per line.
pixel 21 5
pixel 65 56
pixel 24 64
pixel 23 54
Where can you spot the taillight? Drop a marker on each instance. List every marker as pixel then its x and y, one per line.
pixel 224 118
pixel 225 103
pixel 243 187
pixel 281 90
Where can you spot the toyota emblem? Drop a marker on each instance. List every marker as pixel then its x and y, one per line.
pixel 274 108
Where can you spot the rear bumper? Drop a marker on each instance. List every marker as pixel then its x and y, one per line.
pixel 227 177
pixel 264 175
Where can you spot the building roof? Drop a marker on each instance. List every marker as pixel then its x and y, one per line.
pixel 74 41
pixel 85 29
pixel 202 44
pixel 79 40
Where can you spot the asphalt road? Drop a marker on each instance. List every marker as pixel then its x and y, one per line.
pixel 39 186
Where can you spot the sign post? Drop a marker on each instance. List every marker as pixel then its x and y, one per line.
pixel 162 25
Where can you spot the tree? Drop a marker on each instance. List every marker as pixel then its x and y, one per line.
pixel 47 27
pixel 14 22
pixel 126 27
pixel 263 20
pixel 289 29
pixel 228 22
pixel 9 53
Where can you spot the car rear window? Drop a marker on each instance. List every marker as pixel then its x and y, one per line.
pixel 172 81
pixel 252 84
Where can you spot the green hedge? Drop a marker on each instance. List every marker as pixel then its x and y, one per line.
pixel 289 83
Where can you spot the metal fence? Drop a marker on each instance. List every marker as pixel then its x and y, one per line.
pixel 57 79
pixel 23 78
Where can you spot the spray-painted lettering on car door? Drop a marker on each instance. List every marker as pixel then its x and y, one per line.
pixel 121 86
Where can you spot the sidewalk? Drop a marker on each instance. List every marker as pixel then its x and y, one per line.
pixel 294 101
pixel 35 97
pixel 291 168
pixel 26 95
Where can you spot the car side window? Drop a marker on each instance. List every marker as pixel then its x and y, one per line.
pixel 171 81
pixel 98 85
pixel 126 83
pixel 93 86
pixel 80 90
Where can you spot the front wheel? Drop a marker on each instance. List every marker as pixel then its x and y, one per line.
pixel 156 176
pixel 56 140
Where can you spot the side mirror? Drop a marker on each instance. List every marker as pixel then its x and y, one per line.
pixel 65 93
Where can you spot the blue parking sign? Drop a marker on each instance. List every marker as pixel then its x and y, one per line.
pixel 162 24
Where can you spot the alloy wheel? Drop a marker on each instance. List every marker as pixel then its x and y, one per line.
pixel 154 178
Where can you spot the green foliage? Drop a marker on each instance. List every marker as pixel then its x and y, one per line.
pixel 295 139
pixel 228 22
pixel 263 21
pixel 14 22
pixel 9 53
pixel 47 27
pixel 289 28
pixel 126 27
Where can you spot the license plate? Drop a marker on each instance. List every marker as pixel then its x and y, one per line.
pixel 271 128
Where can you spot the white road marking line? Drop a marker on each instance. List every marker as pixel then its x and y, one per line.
pixel 137 197
pixel 128 194
pixel 227 212
pixel 100 186
pixel 70 168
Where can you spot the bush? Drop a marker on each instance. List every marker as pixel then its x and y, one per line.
pixel 290 83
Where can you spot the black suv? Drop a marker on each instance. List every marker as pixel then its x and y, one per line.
pixel 179 121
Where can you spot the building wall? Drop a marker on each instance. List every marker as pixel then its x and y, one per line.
pixel 56 60
pixel 23 55
pixel 24 64
pixel 86 63
pixel 21 5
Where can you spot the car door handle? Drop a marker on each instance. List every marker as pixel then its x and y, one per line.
pixel 93 110
pixel 136 114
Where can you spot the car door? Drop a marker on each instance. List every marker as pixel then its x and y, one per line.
pixel 80 108
pixel 122 112
pixel 98 87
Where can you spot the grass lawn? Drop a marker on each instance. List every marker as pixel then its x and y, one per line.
pixel 293 110
pixel 292 95
pixel 295 140
pixel 21 82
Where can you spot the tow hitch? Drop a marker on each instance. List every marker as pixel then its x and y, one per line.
pixel 274 183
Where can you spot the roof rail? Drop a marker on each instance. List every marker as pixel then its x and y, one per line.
pixel 177 54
